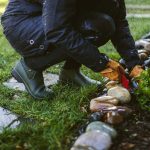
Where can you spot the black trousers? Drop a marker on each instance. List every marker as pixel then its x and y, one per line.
pixel 98 28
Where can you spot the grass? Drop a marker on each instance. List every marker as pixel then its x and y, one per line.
pixel 3 3
pixel 57 119
pixel 139 2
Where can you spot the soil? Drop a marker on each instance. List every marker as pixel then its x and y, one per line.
pixel 134 133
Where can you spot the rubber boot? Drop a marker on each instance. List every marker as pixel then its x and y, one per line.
pixel 76 77
pixel 33 81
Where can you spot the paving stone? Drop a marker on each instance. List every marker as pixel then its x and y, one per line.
pixel 7 119
pixel 49 79
pixel 11 120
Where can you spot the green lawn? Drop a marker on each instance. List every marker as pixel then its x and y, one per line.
pixel 140 2
pixel 57 119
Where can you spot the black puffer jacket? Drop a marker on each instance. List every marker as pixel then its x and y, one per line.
pixel 59 15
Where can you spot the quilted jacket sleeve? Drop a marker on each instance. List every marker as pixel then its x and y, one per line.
pixel 123 40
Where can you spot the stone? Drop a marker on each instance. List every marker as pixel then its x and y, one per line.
pixel 105 99
pixel 143 56
pixel 94 140
pixel 95 107
pixel 144 43
pixel 120 94
pixel 100 126
pixel 122 110
pixel 111 84
pixel 97 116
pixel 143 51
pixel 113 117
pixel 11 120
pixel 7 119
pixel 49 79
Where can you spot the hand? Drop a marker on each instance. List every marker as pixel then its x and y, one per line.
pixel 110 74
pixel 115 66
pixel 136 71
pixel 114 70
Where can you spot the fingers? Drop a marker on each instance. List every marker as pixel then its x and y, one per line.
pixel 136 72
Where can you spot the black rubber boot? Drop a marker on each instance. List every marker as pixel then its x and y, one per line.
pixel 76 77
pixel 32 80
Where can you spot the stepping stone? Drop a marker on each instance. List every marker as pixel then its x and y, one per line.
pixel 49 80
pixel 138 15
pixel 11 120
pixel 7 119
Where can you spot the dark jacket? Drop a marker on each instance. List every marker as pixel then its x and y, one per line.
pixel 59 15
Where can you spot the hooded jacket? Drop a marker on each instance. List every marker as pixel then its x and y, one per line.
pixel 59 16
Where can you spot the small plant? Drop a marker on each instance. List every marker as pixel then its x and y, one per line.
pixel 144 91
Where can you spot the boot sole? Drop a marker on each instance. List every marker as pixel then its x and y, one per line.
pixel 16 75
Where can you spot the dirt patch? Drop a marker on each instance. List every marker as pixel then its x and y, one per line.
pixel 134 133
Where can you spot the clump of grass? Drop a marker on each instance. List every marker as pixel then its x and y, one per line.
pixel 143 91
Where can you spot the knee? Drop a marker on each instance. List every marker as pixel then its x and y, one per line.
pixel 108 24
pixel 98 28
pixel 97 23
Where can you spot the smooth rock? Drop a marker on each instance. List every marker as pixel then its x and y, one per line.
pixel 144 43
pixel 8 119
pixel 94 140
pixel 11 120
pixel 94 106
pixel 100 126
pixel 120 94
pixel 105 99
pixel 143 56
pixel 143 51
pixel 122 110
pixel 97 116
pixel 113 117
pixel 111 84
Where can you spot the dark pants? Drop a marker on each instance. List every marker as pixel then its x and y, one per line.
pixel 26 34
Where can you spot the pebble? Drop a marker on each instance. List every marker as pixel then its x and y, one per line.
pixel 111 84
pixel 143 51
pixel 94 107
pixel 100 126
pixel 122 110
pixel 143 56
pixel 127 146
pixel 120 93
pixel 97 116
pixel 144 43
pixel 113 118
pixel 105 99
pixel 93 140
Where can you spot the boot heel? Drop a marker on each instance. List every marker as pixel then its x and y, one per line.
pixel 16 76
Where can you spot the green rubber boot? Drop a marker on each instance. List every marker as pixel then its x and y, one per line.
pixel 32 80
pixel 76 77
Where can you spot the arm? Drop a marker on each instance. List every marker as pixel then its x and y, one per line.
pixel 58 16
pixel 123 40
